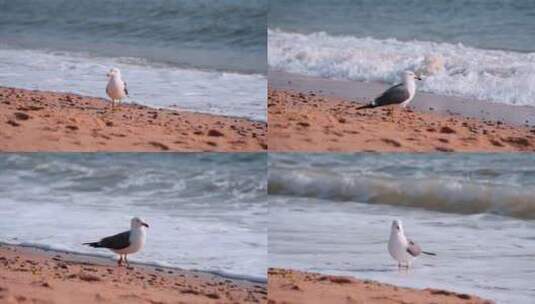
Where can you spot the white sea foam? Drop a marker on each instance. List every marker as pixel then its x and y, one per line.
pixel 489 256
pixel 205 212
pixel 151 84
pixel 492 75
pixel 171 241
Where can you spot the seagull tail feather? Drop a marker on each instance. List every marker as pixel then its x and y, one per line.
pixel 428 253
pixel 368 106
pixel 93 244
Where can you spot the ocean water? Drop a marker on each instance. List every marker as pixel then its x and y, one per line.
pixel 332 213
pixel 198 55
pixel 485 49
pixel 205 211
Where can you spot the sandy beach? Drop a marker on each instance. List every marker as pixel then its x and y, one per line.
pixel 30 275
pixel 50 121
pixel 319 121
pixel 291 286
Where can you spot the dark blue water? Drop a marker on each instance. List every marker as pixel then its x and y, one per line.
pixel 223 35
pixel 488 24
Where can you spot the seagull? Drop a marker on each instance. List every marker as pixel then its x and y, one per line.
pixel 125 243
pixel 116 88
pixel 403 250
pixel 402 93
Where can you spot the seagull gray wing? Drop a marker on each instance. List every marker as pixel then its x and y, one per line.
pixel 414 249
pixel 394 95
pixel 118 241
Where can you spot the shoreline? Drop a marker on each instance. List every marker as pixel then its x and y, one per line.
pixel 316 115
pixel 293 286
pixel 39 275
pixel 42 121
pixel 106 259
pixel 365 92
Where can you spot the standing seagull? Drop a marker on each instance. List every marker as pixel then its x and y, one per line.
pixel 401 93
pixel 125 243
pixel 402 249
pixel 116 88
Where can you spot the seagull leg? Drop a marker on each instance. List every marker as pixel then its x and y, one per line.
pixel 120 261
pixel 406 110
pixel 126 261
pixel 391 113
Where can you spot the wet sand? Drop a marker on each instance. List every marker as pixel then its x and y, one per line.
pixel 290 286
pixel 50 121
pixel 365 92
pixel 320 121
pixel 29 275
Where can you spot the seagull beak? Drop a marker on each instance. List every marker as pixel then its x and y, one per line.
pixel 145 224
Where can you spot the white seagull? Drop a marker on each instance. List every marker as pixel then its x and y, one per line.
pixel 402 93
pixel 125 243
pixel 116 88
pixel 403 250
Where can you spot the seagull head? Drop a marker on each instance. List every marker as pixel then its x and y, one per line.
pixel 410 75
pixel 114 72
pixel 397 226
pixel 138 223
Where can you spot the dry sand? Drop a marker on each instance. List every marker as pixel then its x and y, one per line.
pixel 310 122
pixel 29 275
pixel 289 286
pixel 49 121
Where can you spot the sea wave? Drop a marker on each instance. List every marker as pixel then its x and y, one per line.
pixel 448 69
pixel 149 83
pixel 438 193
